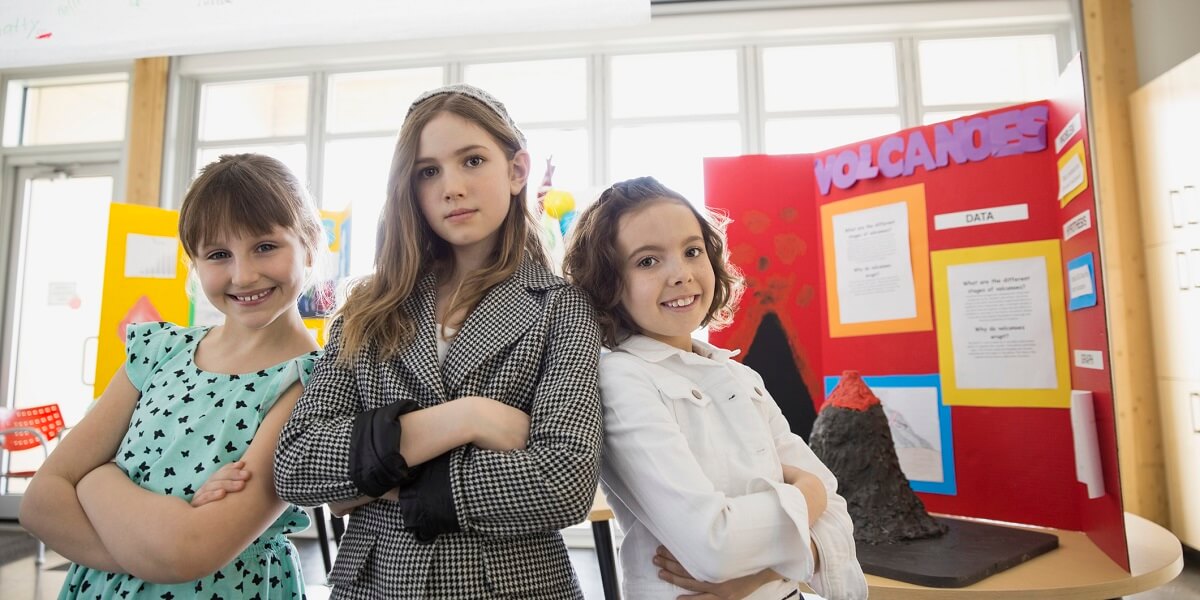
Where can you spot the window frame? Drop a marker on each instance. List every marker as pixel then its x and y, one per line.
pixel 751 117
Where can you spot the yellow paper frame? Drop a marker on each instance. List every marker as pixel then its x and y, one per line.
pixel 1051 252
pixel 918 245
pixel 1075 151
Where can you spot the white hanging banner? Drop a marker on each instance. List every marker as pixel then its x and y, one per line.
pixel 42 32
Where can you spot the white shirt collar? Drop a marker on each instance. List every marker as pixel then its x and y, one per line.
pixel 652 350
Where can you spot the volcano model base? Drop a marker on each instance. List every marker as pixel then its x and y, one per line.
pixel 969 552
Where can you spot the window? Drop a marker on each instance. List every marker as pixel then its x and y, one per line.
pixel 830 77
pixel 549 101
pixel 813 134
pixel 612 114
pixel 930 118
pixel 966 75
pixel 673 153
pixel 365 111
pixel 675 85
pixel 536 91
pixel 669 112
pixel 66 110
pixel 822 96
pixel 266 116
pixel 376 101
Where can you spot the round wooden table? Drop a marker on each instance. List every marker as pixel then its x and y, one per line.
pixel 1077 570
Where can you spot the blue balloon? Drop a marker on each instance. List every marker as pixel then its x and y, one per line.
pixel 565 221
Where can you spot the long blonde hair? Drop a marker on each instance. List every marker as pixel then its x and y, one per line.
pixel 375 325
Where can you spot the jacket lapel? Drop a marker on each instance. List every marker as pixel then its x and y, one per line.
pixel 502 317
pixel 420 356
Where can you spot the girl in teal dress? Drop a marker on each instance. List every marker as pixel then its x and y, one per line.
pixel 139 495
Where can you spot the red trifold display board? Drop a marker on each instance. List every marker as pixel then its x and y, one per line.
pixel 957 267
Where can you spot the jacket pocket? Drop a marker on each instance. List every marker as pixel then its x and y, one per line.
pixel 682 390
pixel 353 554
pixel 519 567
pixel 701 425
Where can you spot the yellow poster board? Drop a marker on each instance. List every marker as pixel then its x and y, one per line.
pixel 144 276
pixel 1002 325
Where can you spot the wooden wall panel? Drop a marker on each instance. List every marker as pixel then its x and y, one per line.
pixel 146 131
pixel 1112 76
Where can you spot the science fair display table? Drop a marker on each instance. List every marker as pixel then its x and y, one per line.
pixel 1077 570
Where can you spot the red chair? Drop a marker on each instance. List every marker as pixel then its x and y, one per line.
pixel 25 429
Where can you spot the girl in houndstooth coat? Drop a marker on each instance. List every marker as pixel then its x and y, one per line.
pixel 456 411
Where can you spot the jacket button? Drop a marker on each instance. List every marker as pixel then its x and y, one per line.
pixel 697 394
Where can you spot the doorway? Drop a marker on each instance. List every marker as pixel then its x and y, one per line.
pixel 54 279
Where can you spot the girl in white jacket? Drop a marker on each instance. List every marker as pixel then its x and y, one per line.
pixel 716 495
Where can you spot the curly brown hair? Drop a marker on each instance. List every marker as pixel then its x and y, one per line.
pixel 592 264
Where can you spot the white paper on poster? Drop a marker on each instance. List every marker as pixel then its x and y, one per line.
pixel 1068 131
pixel 982 216
pixel 1070 176
pixel 1080 279
pixel 1077 225
pixel 1089 359
pixel 874 264
pixel 1087 446
pixel 1000 325
pixel 60 293
pixel 151 256
pixel 916 430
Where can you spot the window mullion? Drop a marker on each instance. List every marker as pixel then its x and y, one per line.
pixel 751 109
pixel 317 94
pixel 599 110
pixel 909 79
pixel 262 141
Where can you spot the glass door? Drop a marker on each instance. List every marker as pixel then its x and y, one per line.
pixel 55 276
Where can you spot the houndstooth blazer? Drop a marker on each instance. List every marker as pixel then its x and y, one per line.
pixel 532 343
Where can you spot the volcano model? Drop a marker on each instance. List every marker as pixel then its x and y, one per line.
pixel 851 436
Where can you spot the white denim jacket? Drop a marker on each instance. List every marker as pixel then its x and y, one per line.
pixel 692 460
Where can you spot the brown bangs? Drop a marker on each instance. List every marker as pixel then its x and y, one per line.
pixel 246 195
pixel 227 213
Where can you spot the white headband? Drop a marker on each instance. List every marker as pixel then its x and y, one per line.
pixel 469 90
